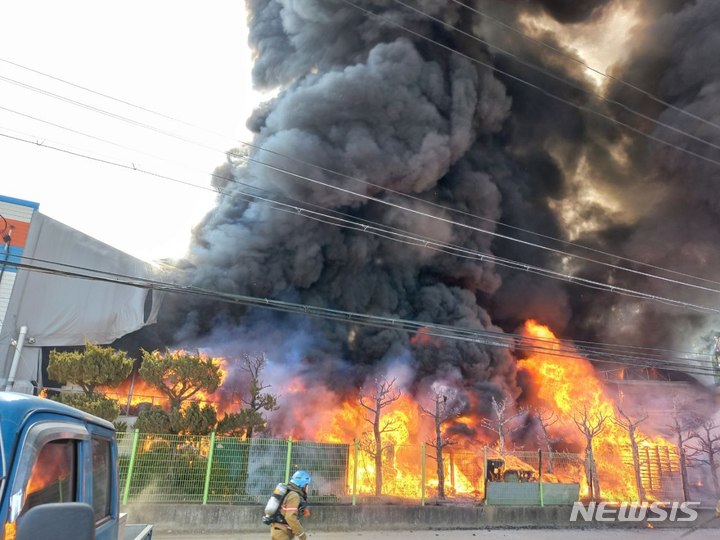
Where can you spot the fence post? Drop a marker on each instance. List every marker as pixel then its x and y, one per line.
pixel 356 447
pixel 209 468
pixel 485 473
pixel 542 499
pixel 131 467
pixel 288 459
pixel 422 475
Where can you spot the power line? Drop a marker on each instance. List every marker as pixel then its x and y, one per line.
pixel 288 173
pixel 532 85
pixel 104 161
pixel 431 216
pixel 563 80
pixel 476 229
pixel 589 347
pixel 94 109
pixel 431 244
pixel 529 268
pixel 173 161
pixel 481 256
pixel 383 188
pixel 395 234
pixel 528 344
pixel 587 66
pixel 683 366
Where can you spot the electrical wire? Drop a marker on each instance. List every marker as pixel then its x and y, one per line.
pixel 517 342
pixel 173 161
pixel 430 244
pixel 562 53
pixel 363 226
pixel 534 269
pixel 146 172
pixel 448 221
pixel 563 80
pixel 424 328
pixel 534 86
pixel 386 189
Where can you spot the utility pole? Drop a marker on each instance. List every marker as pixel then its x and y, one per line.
pixel 10 382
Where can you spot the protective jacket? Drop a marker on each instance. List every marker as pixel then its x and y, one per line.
pixel 287 524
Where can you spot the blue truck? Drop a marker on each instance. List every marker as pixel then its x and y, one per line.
pixel 59 474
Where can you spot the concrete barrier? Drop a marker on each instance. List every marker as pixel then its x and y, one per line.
pixel 229 518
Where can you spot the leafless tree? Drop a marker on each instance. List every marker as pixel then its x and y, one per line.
pixel 376 397
pixel 442 413
pixel 630 426
pixel 547 418
pixel 680 422
pixel 703 444
pixel 590 426
pixel 257 400
pixel 502 424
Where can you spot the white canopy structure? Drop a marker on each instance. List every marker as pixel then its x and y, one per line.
pixel 44 310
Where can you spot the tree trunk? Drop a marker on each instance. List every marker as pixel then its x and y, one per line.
pixel 549 447
pixel 551 457
pixel 596 480
pixel 713 469
pixel 378 453
pixel 683 474
pixel 588 473
pixel 501 441
pixel 591 471
pixel 636 464
pixel 439 453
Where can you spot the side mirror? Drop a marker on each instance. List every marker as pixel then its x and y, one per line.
pixel 59 521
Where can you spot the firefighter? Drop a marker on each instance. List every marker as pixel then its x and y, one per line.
pixel 294 505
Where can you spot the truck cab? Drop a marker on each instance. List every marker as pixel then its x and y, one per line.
pixel 52 453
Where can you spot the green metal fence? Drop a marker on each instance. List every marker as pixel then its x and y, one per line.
pixel 218 469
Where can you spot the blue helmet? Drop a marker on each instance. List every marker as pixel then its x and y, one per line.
pixel 300 478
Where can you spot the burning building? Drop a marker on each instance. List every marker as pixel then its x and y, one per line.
pixel 459 164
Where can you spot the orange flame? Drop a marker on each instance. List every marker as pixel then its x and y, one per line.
pixel 402 451
pixel 423 337
pixel 566 383
pixel 134 392
pixel 563 382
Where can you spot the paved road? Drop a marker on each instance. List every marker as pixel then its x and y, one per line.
pixel 484 534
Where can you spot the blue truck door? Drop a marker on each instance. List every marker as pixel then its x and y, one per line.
pixel 48 466
pixel 102 480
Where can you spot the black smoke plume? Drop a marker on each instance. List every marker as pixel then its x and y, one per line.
pixel 366 97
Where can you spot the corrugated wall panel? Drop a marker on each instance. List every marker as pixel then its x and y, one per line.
pixel 15 211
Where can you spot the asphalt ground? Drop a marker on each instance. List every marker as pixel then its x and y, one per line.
pixel 480 534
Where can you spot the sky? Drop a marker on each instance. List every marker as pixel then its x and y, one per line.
pixel 188 61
